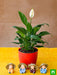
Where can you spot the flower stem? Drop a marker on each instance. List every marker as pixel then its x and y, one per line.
pixel 30 20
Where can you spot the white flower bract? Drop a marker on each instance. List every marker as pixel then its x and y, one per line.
pixel 31 14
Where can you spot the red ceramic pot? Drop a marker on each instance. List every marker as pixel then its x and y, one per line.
pixel 28 58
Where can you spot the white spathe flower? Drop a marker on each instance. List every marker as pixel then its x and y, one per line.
pixel 31 14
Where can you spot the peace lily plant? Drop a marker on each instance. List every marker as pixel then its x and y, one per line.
pixel 28 38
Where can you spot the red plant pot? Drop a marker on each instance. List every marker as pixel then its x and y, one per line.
pixel 27 58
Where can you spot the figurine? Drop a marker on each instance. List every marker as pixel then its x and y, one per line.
pixel 22 68
pixel 32 67
pixel 43 68
pixel 10 67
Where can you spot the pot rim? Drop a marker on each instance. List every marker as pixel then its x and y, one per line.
pixel 28 53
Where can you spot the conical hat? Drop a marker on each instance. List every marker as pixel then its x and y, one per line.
pixel 43 64
pixel 22 64
pixel 7 67
pixel 36 67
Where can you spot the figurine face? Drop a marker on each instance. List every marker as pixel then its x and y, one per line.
pixel 32 67
pixel 22 66
pixel 43 66
pixel 10 66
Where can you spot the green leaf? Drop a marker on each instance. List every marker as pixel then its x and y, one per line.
pixel 20 40
pixel 37 27
pixel 17 38
pixel 21 33
pixel 25 22
pixel 29 27
pixel 39 46
pixel 35 37
pixel 16 42
pixel 26 44
pixel 43 24
pixel 41 41
pixel 33 43
pixel 21 29
pixel 23 17
pixel 43 33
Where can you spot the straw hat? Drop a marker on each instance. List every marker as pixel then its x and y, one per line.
pixel 44 65
pixel 36 67
pixel 22 64
pixel 7 67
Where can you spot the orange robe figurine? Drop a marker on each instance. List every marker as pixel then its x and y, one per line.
pixel 10 67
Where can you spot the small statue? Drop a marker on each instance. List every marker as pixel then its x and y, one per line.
pixel 10 67
pixel 43 68
pixel 22 68
pixel 32 67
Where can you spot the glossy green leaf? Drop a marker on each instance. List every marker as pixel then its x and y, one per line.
pixel 17 38
pixel 35 37
pixel 21 29
pixel 23 18
pixel 39 46
pixel 21 40
pixel 37 27
pixel 29 27
pixel 21 33
pixel 41 41
pixel 25 22
pixel 16 42
pixel 43 33
pixel 33 43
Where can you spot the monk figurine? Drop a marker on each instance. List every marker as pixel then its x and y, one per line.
pixel 43 68
pixel 22 68
pixel 10 67
pixel 33 68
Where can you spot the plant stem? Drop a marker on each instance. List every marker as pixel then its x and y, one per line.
pixel 30 20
